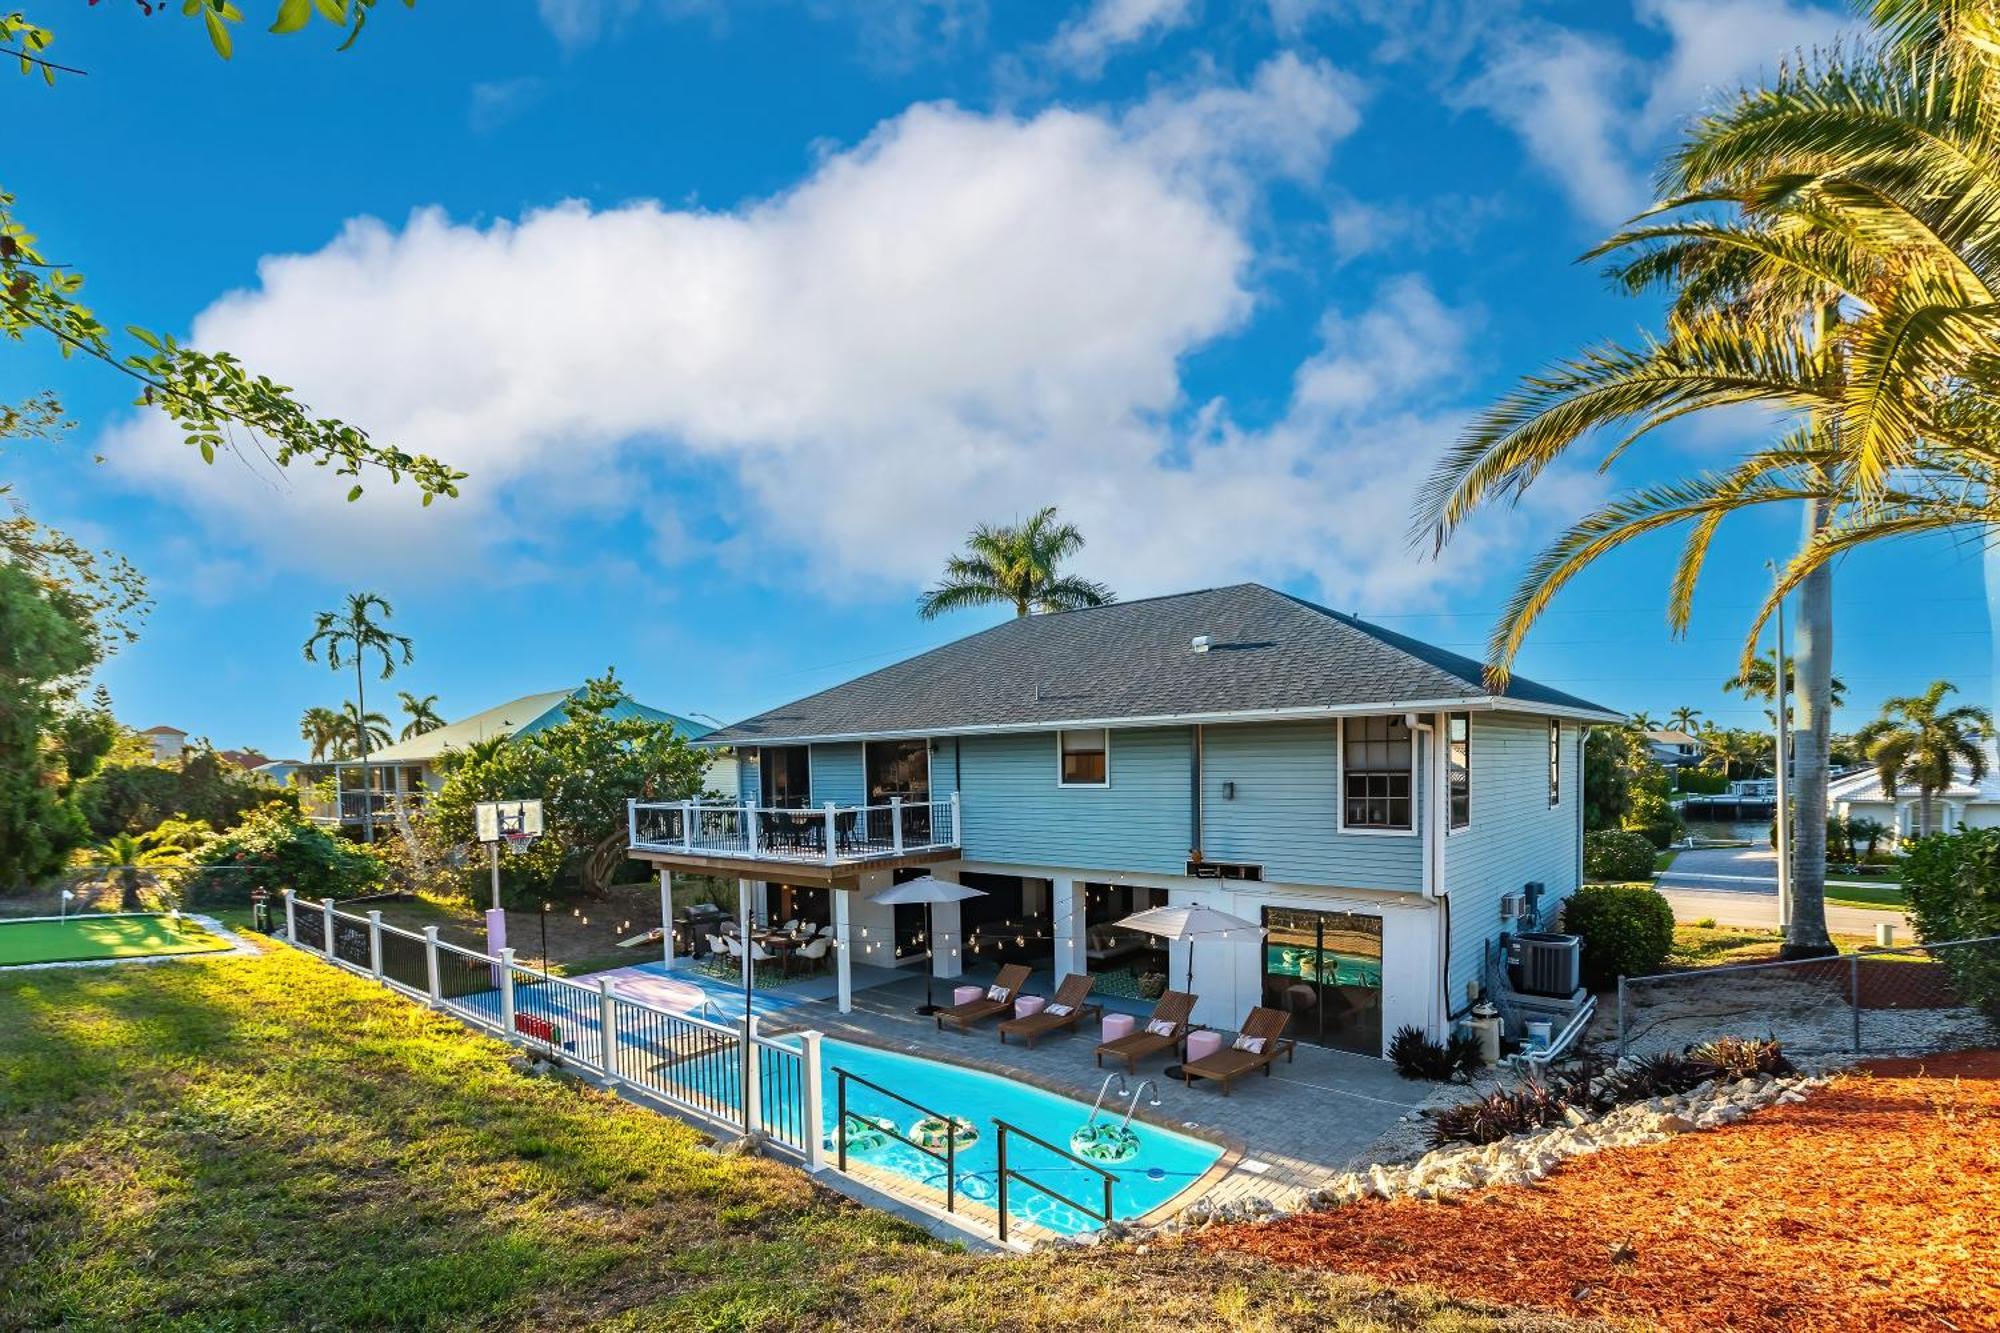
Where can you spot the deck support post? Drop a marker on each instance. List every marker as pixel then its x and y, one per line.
pixel 843 949
pixel 1067 904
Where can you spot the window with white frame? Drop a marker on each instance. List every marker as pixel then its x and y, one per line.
pixel 1085 758
pixel 1377 762
pixel 1555 763
pixel 1458 767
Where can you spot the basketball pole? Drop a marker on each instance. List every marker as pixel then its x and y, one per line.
pixel 493 858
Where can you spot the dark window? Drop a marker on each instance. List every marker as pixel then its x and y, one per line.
pixel 1375 773
pixel 1459 762
pixel 1086 757
pixel 786 774
pixel 1555 762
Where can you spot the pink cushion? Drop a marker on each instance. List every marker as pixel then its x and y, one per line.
pixel 1203 1043
pixel 966 994
pixel 1028 1004
pixel 1116 1026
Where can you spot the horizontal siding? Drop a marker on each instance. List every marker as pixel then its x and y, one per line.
pixel 837 774
pixel 1285 814
pixel 1515 835
pixel 1014 811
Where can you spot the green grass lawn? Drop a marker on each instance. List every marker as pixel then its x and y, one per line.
pixel 1868 895
pixel 84 938
pixel 269 1143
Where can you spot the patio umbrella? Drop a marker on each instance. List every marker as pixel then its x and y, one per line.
pixel 1189 923
pixel 927 890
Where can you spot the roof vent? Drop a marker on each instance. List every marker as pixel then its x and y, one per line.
pixel 1200 644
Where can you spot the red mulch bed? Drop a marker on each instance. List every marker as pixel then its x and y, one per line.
pixel 1872 1206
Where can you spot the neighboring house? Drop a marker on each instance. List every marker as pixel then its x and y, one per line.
pixel 1965 804
pixel 278 772
pixel 247 760
pixel 1362 796
pixel 410 770
pixel 167 743
pixel 1674 749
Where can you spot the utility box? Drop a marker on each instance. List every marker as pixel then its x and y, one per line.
pixel 1541 963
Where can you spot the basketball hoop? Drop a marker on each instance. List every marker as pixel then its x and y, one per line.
pixel 519 841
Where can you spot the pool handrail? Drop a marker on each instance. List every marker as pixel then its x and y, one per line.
pixel 1007 1173
pixel 949 1156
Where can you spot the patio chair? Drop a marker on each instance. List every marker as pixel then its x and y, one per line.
pixel 1258 1047
pixel 999 998
pixel 760 955
pixel 1064 1012
pixel 1165 1030
pixel 813 954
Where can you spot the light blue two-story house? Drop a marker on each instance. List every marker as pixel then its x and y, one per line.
pixel 1363 797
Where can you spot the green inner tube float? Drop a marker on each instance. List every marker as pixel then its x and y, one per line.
pixel 1105 1143
pixel 866 1133
pixel 930 1132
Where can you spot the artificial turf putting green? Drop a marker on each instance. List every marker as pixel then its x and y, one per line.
pixel 85 938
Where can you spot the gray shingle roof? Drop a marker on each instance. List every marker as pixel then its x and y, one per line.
pixel 1132 660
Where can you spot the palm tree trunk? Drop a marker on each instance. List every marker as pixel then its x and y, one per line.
pixel 128 890
pixel 1812 667
pixel 361 731
pixel 1924 814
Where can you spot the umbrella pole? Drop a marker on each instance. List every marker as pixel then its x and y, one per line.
pixel 929 1006
pixel 1174 1070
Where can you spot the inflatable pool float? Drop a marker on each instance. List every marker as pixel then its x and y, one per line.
pixel 866 1133
pixel 1105 1143
pixel 930 1132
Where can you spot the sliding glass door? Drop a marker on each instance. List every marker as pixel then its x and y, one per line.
pixel 1325 970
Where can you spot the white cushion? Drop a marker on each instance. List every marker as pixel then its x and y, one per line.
pixel 996 993
pixel 1059 1010
pixel 1254 1045
pixel 1161 1027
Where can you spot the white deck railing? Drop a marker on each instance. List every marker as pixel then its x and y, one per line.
pixel 826 834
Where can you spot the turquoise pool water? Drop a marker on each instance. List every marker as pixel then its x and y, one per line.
pixel 1166 1162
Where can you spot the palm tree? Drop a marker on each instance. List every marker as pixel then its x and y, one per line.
pixel 347 637
pixel 482 751
pixel 321 729
pixel 1643 721
pixel 1685 720
pixel 1920 742
pixel 1015 564
pixel 353 722
pixel 422 712
pixel 1758 679
pixel 125 855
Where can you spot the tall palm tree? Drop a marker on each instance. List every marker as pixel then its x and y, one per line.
pixel 423 714
pixel 1015 564
pixel 321 729
pixel 1919 742
pixel 1684 719
pixel 347 637
pixel 1643 721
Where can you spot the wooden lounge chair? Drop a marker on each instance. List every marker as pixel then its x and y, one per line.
pixel 1264 1026
pixel 1069 1008
pixel 1174 1007
pixel 1012 977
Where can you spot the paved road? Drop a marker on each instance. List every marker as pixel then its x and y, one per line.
pixel 1738 886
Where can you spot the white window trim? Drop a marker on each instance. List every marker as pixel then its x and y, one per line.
pixel 1466 827
pixel 1083 786
pixel 1556 753
pixel 1416 828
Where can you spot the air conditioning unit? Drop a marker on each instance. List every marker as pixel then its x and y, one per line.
pixel 1513 906
pixel 1539 963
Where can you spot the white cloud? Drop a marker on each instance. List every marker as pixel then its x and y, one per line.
pixel 580 22
pixel 961 318
pixel 497 102
pixel 1720 45
pixel 1086 41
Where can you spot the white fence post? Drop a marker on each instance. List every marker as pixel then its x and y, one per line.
pixel 375 944
pixel 687 826
pixel 753 1078
pixel 431 973
pixel 507 993
pixel 810 1132
pixel 631 822
pixel 750 827
pixel 326 941
pixel 896 824
pixel 832 833
pixel 957 837
pixel 291 918
pixel 607 1028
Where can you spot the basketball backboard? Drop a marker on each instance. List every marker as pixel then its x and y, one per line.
pixel 497 819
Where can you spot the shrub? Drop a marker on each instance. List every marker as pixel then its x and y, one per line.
pixel 275 848
pixel 1617 854
pixel 1465 1053
pixel 1742 1057
pixel 1498 1114
pixel 1659 1075
pixel 1415 1055
pixel 1952 884
pixel 1654 818
pixel 1627 930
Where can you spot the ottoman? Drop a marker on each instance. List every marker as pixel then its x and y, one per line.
pixel 1202 1042
pixel 966 994
pixel 1117 1025
pixel 1028 1004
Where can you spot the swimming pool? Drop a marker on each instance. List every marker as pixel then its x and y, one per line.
pixel 1166 1162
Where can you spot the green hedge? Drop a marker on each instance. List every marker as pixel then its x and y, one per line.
pixel 1952 884
pixel 1627 930
pixel 1617 854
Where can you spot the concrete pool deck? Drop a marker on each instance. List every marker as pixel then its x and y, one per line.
pixel 1294 1131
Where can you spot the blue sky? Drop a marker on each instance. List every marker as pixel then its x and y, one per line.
pixel 741 314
